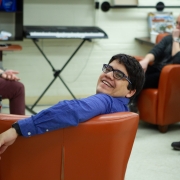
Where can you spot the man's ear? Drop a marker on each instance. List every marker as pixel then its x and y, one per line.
pixel 131 93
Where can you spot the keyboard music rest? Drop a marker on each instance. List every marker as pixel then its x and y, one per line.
pixel 61 32
pixel 69 32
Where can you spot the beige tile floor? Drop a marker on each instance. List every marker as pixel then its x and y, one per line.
pixel 152 157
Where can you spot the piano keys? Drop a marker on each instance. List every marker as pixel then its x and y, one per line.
pixel 69 32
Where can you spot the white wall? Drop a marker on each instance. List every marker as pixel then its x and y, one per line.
pixel 121 25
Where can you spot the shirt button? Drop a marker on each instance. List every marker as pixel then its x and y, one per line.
pixel 47 130
pixel 29 133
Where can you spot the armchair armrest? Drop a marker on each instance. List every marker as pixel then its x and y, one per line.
pixel 6 120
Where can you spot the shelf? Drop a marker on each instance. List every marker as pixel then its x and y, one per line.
pixel 145 40
pixel 13 47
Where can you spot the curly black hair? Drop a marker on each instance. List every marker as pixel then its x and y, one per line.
pixel 135 72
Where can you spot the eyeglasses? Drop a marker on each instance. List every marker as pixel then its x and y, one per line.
pixel 116 73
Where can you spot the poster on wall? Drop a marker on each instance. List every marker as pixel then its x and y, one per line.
pixel 160 22
pixel 125 2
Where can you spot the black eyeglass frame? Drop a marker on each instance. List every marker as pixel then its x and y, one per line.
pixel 115 70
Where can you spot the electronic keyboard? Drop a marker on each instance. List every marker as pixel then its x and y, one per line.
pixel 74 32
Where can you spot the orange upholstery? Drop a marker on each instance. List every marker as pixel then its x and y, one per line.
pixel 160 37
pixel 98 149
pixel 161 106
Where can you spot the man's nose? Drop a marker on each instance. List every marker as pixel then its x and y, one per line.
pixel 110 75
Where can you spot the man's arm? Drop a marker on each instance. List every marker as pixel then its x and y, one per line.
pixel 65 113
pixel 61 115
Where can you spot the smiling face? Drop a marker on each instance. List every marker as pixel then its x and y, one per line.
pixel 107 84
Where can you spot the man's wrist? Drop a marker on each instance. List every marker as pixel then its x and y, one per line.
pixel 14 132
pixel 17 128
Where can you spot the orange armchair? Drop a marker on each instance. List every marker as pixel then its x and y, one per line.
pixel 161 106
pixel 97 149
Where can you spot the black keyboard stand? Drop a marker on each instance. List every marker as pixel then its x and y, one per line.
pixel 56 73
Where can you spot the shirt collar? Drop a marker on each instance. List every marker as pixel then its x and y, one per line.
pixel 124 100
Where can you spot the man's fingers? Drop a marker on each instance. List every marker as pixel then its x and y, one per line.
pixel 15 72
pixel 11 72
pixel 3 148
pixel 10 77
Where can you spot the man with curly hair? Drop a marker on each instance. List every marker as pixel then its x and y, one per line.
pixel 121 79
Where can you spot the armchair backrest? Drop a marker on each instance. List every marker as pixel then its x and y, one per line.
pixel 160 37
pixel 169 96
pixel 97 149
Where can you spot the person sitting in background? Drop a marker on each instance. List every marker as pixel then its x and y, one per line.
pixel 121 79
pixel 12 89
pixel 167 51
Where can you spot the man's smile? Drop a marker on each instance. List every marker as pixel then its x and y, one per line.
pixel 107 83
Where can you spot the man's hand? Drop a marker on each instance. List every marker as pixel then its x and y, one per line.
pixel 10 75
pixel 7 138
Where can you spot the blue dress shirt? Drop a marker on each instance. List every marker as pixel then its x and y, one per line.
pixel 71 113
